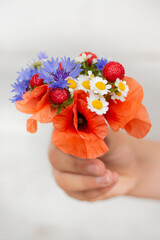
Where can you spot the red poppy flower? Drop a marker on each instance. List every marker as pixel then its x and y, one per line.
pixel 130 115
pixel 37 103
pixel 79 131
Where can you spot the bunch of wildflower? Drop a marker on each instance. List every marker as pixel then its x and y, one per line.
pixel 81 97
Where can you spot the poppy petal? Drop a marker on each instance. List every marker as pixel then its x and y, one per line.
pixel 31 100
pixel 45 114
pixel 71 143
pixel 96 123
pixel 44 100
pixel 120 113
pixel 31 125
pixel 76 110
pixel 28 105
pixel 64 120
pixel 140 125
pixel 79 94
pixel 39 91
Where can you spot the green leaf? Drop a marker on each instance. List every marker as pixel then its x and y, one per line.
pixel 31 89
pixel 84 65
pixel 59 110
pixel 69 102
pixel 107 98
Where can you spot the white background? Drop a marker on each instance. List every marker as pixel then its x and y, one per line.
pixel 31 205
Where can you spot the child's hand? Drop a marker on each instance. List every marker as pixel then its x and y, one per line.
pixel 93 179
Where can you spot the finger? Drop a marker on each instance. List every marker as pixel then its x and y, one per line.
pixel 92 195
pixel 68 163
pixel 123 186
pixel 73 182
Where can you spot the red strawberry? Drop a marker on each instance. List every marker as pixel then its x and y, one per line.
pixel 36 81
pixel 58 96
pixel 112 71
pixel 89 60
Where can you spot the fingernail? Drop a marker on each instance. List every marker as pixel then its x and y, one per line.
pixel 104 180
pixel 94 169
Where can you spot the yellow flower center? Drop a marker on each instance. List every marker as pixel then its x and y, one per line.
pixel 72 83
pixel 121 86
pixel 86 84
pixel 119 93
pixel 100 85
pixel 91 76
pixel 37 65
pixel 97 104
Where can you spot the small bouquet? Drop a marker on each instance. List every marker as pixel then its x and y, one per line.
pixel 81 97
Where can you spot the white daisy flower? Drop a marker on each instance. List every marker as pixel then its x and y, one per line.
pixel 83 83
pixel 73 85
pixel 118 96
pixel 122 87
pixel 90 74
pixel 97 104
pixel 98 85
pixel 34 63
pixel 94 60
pixel 83 58
pixel 38 61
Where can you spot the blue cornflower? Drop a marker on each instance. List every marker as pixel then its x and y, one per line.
pixel 60 79
pixel 16 98
pixel 60 74
pixel 67 64
pixel 42 55
pixel 19 87
pixel 57 77
pixel 61 83
pixel 49 69
pixel 76 71
pixel 22 83
pixel 26 74
pixel 101 63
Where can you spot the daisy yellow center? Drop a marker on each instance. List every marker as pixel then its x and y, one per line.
pixel 72 83
pixel 37 65
pixel 121 86
pixel 91 76
pixel 100 85
pixel 86 84
pixel 119 93
pixel 97 104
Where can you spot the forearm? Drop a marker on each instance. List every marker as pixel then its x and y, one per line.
pixel 148 169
